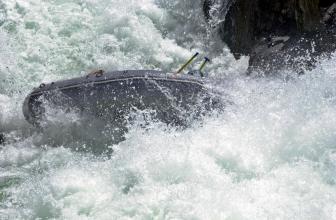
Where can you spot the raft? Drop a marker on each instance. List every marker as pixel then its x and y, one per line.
pixel 111 96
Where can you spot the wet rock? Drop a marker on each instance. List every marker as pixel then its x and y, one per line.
pixel 237 30
pixel 2 139
pixel 329 17
pixel 278 33
pixel 298 52
pixel 307 15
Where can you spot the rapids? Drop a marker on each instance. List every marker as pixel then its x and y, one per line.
pixel 270 155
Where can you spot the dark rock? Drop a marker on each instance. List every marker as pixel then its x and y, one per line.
pixel 307 15
pixel 298 53
pixel 326 3
pixel 278 32
pixel 329 17
pixel 2 139
pixel 237 30
pixel 248 21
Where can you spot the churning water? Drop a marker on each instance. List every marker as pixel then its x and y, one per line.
pixel 270 155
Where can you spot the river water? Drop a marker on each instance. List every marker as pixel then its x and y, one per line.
pixel 270 155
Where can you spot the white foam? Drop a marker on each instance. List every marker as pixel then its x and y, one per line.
pixel 270 155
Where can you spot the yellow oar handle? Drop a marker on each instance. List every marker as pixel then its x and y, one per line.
pixel 206 60
pixel 187 63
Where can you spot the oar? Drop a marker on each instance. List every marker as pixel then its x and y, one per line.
pixel 188 62
pixel 206 60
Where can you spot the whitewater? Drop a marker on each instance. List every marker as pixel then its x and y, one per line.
pixel 270 155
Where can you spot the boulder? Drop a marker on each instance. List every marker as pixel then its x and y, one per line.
pixel 299 52
pixel 278 32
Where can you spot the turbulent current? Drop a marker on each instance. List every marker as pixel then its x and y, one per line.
pixel 270 155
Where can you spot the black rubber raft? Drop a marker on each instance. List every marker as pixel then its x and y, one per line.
pixel 111 96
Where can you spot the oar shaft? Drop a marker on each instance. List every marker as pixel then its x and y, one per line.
pixel 206 60
pixel 187 63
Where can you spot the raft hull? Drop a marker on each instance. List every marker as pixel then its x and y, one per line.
pixel 111 96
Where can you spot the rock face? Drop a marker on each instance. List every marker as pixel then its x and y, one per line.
pixel 299 52
pixel 277 32
pixel 307 14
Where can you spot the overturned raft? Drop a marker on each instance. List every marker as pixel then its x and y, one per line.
pixel 111 96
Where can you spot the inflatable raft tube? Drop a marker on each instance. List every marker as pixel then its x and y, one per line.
pixel 174 98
